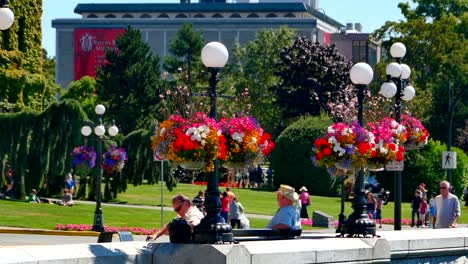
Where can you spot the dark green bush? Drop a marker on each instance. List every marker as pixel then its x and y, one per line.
pixel 291 160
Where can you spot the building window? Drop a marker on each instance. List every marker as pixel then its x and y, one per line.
pixel 145 16
pixel 199 16
pixel 163 16
pixel 289 15
pixel 217 16
pixel 372 51
pixel 271 15
pixel 252 15
pixel 360 51
pixel 181 16
pixel 110 16
pixel 127 16
pixel 92 16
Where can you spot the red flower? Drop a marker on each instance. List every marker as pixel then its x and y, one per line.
pixel 392 146
pixel 363 147
pixel 319 156
pixel 400 156
pixel 327 151
pixel 401 149
pixel 373 153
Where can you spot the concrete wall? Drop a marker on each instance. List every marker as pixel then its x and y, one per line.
pixel 413 246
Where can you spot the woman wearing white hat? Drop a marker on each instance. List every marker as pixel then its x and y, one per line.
pixel 305 201
pixel 287 217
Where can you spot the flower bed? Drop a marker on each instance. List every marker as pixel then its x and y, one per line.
pixel 385 221
pixel 85 227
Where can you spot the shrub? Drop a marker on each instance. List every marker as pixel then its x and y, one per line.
pixel 291 160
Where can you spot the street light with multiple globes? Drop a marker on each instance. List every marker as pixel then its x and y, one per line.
pixel 99 131
pixel 397 86
pixel 6 15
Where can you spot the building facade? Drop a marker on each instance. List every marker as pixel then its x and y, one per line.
pixel 81 42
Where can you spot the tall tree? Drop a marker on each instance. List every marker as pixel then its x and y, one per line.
pixel 184 62
pixel 311 75
pixel 251 67
pixel 129 82
pixel 435 35
pixel 83 91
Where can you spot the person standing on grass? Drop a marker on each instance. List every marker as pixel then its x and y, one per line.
pixel 423 211
pixel 199 200
pixel 287 217
pixel 378 210
pixel 447 208
pixel 415 206
pixel 236 210
pixel 432 208
pixel 225 207
pixel 305 202
pixel 184 209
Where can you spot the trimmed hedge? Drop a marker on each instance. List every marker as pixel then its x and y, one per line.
pixel 291 159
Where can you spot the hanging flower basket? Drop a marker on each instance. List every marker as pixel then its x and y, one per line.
pixel 187 140
pixel 246 142
pixel 114 160
pixel 193 165
pixel 416 133
pixel 389 139
pixel 84 159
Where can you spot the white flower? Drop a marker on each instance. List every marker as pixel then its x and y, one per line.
pixel 330 130
pixel 254 140
pixel 332 140
pixel 239 137
pixel 163 130
pixel 337 148
pixel 203 142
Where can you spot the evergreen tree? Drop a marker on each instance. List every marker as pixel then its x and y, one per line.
pixel 184 62
pixel 311 75
pixel 83 91
pixel 129 83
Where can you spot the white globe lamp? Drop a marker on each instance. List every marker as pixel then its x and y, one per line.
pixel 100 130
pixel 6 18
pixel 398 50
pixel 393 69
pixel 113 130
pixel 388 89
pixel 361 73
pixel 405 71
pixel 86 131
pixel 100 109
pixel 214 55
pixel 408 93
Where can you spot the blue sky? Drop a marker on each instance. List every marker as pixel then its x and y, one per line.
pixel 370 13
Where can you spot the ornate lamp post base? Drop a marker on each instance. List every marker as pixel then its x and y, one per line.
pixel 212 228
pixel 356 226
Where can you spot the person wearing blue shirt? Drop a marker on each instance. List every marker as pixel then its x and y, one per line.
pixel 287 216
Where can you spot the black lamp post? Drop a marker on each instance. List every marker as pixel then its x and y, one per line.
pixel 358 222
pixel 100 131
pixel 213 228
pixel 6 15
pixel 397 85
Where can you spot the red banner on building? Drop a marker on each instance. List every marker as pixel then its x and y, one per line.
pixel 326 38
pixel 90 48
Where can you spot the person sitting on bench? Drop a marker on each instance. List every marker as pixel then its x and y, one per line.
pixel 287 217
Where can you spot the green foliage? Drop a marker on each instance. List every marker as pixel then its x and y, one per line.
pixel 38 145
pixel 435 36
pixel 291 159
pixel 250 67
pixel 311 75
pixel 24 85
pixel 83 91
pixel 129 84
pixel 141 165
pixel 184 62
pixel 426 166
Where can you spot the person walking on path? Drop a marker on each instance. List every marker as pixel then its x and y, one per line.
pixel 305 202
pixel 423 211
pixel 432 208
pixel 235 213
pixel 447 208
pixel 415 206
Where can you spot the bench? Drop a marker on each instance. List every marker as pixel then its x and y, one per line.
pixel 106 237
pixel 266 233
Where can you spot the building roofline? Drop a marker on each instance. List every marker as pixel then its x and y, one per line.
pixel 234 22
pixel 198 7
pixel 324 17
